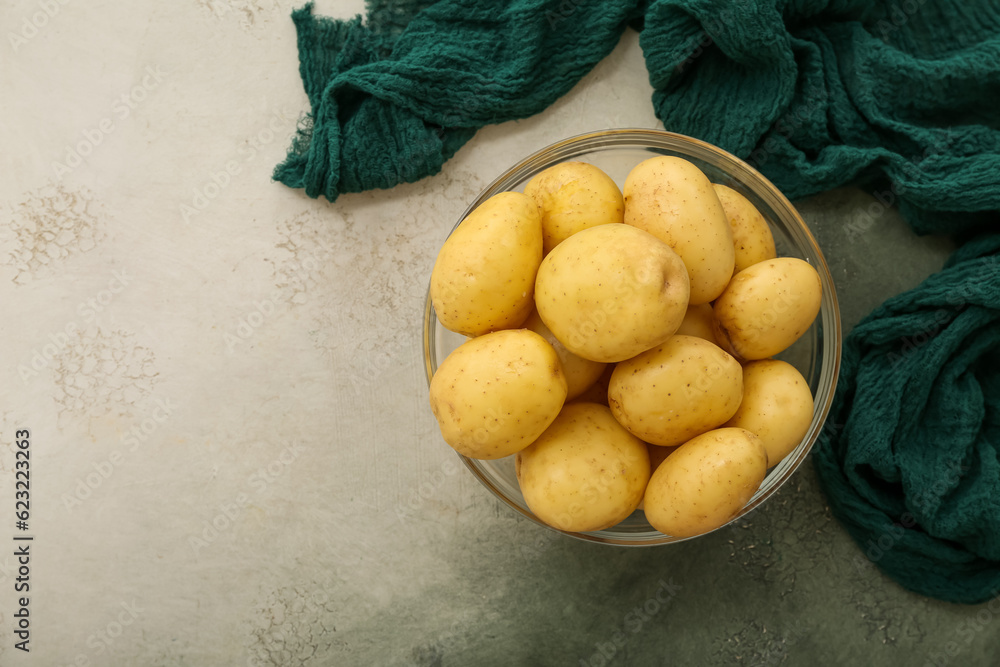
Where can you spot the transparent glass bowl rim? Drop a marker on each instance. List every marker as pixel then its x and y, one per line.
pixel 648 139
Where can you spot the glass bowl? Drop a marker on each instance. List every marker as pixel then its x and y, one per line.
pixel 816 354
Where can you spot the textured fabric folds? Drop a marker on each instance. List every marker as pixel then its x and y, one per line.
pixel 908 456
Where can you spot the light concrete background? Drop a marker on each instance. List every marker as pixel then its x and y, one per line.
pixel 233 461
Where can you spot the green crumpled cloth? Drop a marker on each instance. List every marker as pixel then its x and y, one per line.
pixel 815 94
pixel 908 457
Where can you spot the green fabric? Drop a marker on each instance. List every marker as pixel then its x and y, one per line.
pixel 908 456
pixel 902 96
pixel 809 93
pixel 392 106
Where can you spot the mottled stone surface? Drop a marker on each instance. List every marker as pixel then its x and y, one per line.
pixel 233 460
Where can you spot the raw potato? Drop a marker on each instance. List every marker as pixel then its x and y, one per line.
pixel 605 358
pixel 673 200
pixel 494 394
pixel 580 373
pixel 675 391
pixel 585 472
pixel 767 307
pixel 752 238
pixel 484 275
pixel 657 455
pixel 705 483
pixel 571 197
pixel 699 321
pixel 598 392
pixel 611 292
pixel 777 406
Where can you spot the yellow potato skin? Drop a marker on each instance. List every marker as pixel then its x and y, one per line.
pixel 496 393
pixel 580 373
pixel 705 483
pixel 598 391
pixel 673 200
pixel 752 238
pixel 611 292
pixel 585 472
pixel 767 307
pixel 676 390
pixel 657 455
pixel 484 276
pixel 777 406
pixel 571 197
pixel 699 321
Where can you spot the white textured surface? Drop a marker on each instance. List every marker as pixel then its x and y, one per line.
pixel 281 333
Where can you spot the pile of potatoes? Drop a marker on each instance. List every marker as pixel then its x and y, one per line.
pixel 619 345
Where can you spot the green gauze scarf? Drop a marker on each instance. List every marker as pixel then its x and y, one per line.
pixel 908 456
pixel 815 94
